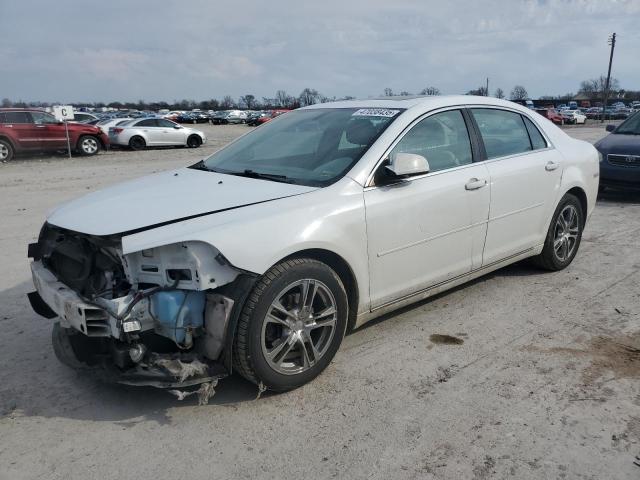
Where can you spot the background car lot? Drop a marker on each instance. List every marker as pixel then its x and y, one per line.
pixel 538 383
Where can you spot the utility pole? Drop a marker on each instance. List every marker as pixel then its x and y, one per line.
pixel 612 42
pixel 487 94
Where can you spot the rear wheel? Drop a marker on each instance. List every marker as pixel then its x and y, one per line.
pixel 292 324
pixel 194 141
pixel 6 151
pixel 563 236
pixel 88 145
pixel 137 143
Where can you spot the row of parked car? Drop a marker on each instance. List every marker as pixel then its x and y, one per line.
pixel 34 130
pixel 224 117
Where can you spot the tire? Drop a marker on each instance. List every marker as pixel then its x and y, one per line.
pixel 194 141
pixel 6 151
pixel 137 143
pixel 563 237
pixel 270 342
pixel 88 145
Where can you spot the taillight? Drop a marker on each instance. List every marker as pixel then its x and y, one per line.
pixel 118 130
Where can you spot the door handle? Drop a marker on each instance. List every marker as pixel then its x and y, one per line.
pixel 551 166
pixel 475 184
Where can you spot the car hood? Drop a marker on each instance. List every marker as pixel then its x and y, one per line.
pixel 618 143
pixel 164 198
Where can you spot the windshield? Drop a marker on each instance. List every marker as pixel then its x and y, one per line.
pixel 313 147
pixel 631 126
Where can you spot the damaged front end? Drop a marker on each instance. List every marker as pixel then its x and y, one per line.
pixel 161 317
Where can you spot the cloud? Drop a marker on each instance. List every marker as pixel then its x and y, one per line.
pixel 200 49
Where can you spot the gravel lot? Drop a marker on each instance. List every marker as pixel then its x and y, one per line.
pixel 542 384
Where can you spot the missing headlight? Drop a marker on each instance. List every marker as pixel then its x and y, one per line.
pixel 178 274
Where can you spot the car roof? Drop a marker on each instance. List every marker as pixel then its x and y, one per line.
pixel 408 102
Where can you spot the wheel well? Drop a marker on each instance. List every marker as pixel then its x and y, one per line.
pixel 342 268
pixel 8 140
pixel 579 193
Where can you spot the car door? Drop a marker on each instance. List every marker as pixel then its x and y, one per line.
pixel 52 133
pixel 24 131
pixel 428 229
pixel 151 131
pixel 170 134
pixel 525 172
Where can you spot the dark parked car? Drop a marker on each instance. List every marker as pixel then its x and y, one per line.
pixel 620 150
pixel 193 117
pixel 31 130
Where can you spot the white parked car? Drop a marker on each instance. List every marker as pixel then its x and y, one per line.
pixel 155 132
pixel 260 257
pixel 574 116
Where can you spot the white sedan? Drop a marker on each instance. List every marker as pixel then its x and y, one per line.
pixel 260 257
pixel 155 132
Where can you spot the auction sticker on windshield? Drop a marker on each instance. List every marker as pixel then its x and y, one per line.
pixel 375 112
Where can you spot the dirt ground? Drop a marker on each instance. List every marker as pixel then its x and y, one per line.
pixel 520 374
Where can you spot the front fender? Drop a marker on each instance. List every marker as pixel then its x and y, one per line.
pixel 256 237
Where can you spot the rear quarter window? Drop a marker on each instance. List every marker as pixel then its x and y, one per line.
pixel 537 140
pixel 15 117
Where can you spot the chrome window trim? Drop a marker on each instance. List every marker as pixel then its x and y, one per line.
pixel 369 183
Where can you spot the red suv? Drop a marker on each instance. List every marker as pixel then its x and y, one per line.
pixel 31 130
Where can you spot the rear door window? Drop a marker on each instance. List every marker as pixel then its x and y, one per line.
pixel 503 133
pixel 149 122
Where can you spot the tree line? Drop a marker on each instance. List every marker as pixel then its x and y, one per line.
pixel 592 89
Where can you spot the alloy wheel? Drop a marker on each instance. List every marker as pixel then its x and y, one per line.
pixel 566 231
pixel 89 145
pixel 4 152
pixel 299 326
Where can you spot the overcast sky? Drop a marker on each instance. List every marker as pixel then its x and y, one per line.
pixel 85 50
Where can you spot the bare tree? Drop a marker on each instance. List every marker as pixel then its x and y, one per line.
pixel 227 102
pixel 388 92
pixel 309 96
pixel 6 103
pixel 249 101
pixel 594 87
pixel 499 93
pixel 283 99
pixel 519 93
pixel 430 91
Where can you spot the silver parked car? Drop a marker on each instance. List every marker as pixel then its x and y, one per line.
pixel 155 132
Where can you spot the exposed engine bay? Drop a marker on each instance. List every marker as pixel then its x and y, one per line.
pixel 158 317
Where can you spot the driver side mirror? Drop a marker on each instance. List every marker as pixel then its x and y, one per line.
pixel 405 164
pixel 177 127
pixel 610 128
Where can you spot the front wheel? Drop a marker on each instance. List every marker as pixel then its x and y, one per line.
pixel 564 235
pixel 88 145
pixel 292 324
